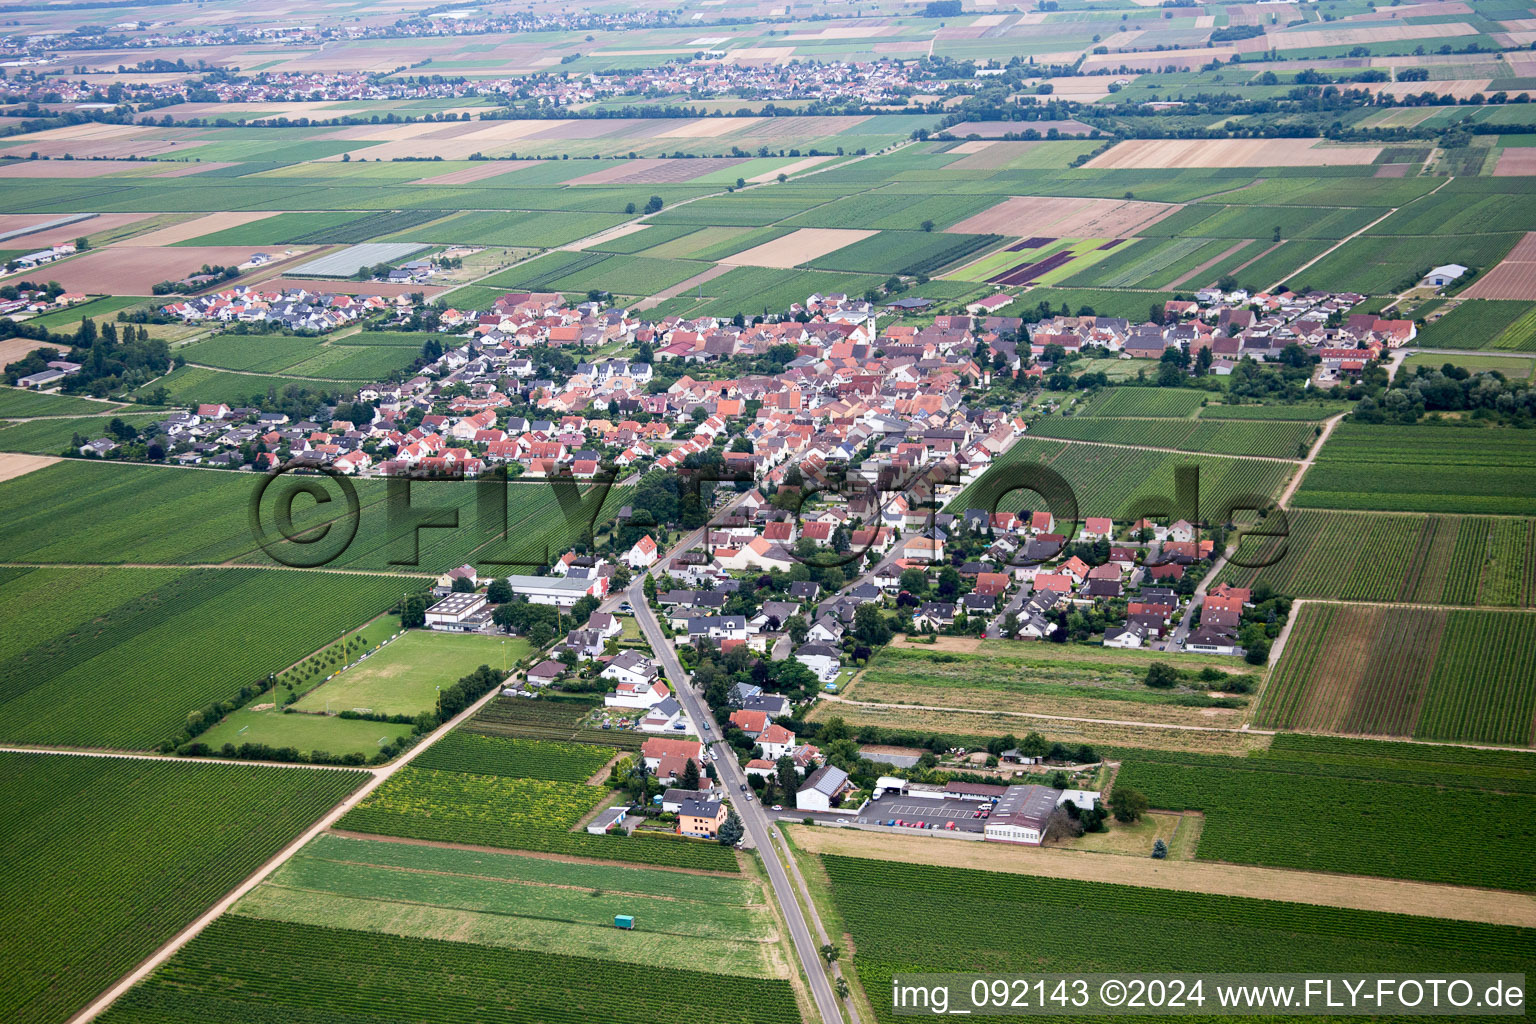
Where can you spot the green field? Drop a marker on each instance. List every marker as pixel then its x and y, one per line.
pixel 1423 468
pixel 551 717
pixel 139 848
pixel 1428 673
pixel 1358 807
pixel 243 969
pixel 701 922
pixel 304 734
pixel 470 801
pixel 1117 482
pixel 1438 559
pixel 120 657
pixel 1148 930
pixel 1512 367
pixel 16 403
pixel 1476 324
pixel 402 678
pixel 1281 439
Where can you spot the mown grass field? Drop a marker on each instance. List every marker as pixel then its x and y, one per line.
pixel 1426 673
pixel 402 677
pixel 702 922
pixel 139 849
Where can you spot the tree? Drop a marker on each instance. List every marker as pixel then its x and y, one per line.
pixel 927 225
pixel 1033 745
pixel 690 776
pixel 842 988
pixel 1162 676
pixel 1061 825
pixel 1127 804
pixel 654 204
pixel 829 953
pixel 797 628
pixel 789 779
pixel 870 625
pixel 463 585
pixel 413 611
pixel 82 244
pixel 1159 850
pixel 732 831
pixel 499 592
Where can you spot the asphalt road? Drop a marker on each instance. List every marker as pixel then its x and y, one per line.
pixel 751 811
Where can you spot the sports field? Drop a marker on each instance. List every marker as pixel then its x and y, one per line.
pixel 402 677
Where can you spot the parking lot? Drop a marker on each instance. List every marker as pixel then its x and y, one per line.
pixel 938 813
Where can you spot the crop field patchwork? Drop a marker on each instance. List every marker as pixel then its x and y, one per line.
pixel 1457 676
pixel 1436 559
pixel 1481 323
pixel 553 717
pixel 146 846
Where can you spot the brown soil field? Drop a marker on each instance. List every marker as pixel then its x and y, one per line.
pixel 797 247
pixel 1089 705
pixel 1513 278
pixel 187 170
pixel 383 288
pixel 13 465
pixel 1096 733
pixel 1392 171
pixel 952 644
pixel 990 156
pixel 65 233
pixel 769 129
pixel 479 172
pixel 1516 161
pixel 106 141
pixel 653 171
pixel 134 270
pixel 1164 153
pixel 1382 894
pixel 1356 35
pixel 1065 217
pixel 683 286
pixel 1460 88
pixel 63 168
pixel 997 129
pixel 197 227
pixel 804 164
pixel 708 127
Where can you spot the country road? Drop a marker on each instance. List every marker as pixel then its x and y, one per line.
pixel 759 829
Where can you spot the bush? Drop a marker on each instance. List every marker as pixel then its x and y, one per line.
pixel 1159 850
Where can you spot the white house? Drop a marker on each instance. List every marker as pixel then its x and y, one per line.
pixel 820 788
pixel 1125 637
pixel 643 555
pixel 562 592
pixel 776 741
pixel 666 716
pixel 1021 814
pixel 822 659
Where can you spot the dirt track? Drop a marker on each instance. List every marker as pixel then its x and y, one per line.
pixel 1382 894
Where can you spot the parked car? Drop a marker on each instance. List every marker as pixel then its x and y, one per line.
pixel 949 825
pixel 891 822
pixel 778 807
pixel 842 821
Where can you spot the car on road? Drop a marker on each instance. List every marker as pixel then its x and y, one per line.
pixel 624 607
pixel 749 796
pixel 778 807
pixel 842 821
pixel 714 755
pixel 743 787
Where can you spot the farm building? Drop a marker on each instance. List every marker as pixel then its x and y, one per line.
pixel 1442 276
pixel 1021 814
pixel 606 820
pixel 458 613
pixel 560 591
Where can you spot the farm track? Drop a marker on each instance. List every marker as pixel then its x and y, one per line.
pixel 1169 451
pixel 1284 501
pixel 379 776
pixel 1350 238
pixel 212 565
